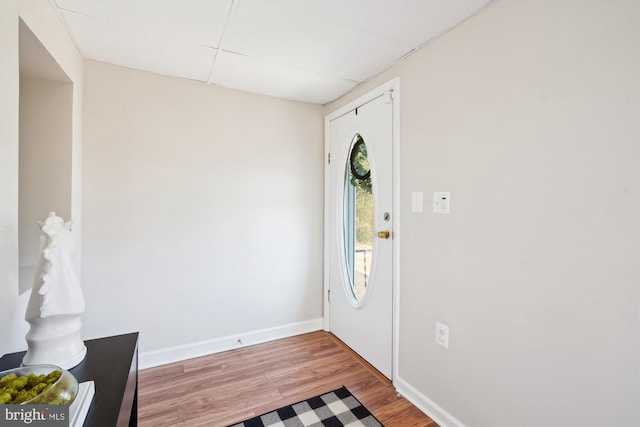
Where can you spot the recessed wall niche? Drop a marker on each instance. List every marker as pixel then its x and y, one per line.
pixel 45 137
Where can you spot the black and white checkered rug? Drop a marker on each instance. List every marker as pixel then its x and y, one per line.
pixel 334 409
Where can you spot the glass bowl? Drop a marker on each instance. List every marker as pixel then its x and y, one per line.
pixel 61 392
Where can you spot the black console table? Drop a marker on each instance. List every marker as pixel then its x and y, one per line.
pixel 112 364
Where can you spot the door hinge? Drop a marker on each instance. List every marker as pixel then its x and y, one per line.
pixel 389 99
pixel 328 158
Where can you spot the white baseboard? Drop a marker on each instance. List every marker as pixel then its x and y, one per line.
pixel 426 405
pixel 149 359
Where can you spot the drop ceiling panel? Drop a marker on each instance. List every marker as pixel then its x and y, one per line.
pixel 258 76
pixel 139 49
pixel 277 32
pixel 405 22
pixel 199 21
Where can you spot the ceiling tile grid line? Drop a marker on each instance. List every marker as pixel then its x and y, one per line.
pixel 232 7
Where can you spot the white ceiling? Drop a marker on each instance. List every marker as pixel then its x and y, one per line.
pixel 311 51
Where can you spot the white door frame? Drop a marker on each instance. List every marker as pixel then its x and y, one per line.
pixel 394 86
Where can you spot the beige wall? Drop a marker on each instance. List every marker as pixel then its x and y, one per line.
pixel 528 113
pixel 45 25
pixel 9 87
pixel 202 209
pixel 44 164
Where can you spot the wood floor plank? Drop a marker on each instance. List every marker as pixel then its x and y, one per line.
pixel 224 388
pixel 402 412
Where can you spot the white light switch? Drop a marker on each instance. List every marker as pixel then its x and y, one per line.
pixel 417 203
pixel 441 202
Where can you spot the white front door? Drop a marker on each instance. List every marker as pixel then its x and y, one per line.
pixel 360 230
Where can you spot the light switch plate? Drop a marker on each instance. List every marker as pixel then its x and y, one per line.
pixel 417 202
pixel 442 335
pixel 441 202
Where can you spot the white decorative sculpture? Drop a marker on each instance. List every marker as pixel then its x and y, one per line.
pixel 56 301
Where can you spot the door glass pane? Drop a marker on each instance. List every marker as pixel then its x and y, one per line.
pixel 358 217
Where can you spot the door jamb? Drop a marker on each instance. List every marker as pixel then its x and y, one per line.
pixel 392 85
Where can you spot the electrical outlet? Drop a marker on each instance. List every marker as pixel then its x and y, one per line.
pixel 442 335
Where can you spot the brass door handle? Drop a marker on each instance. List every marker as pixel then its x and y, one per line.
pixel 384 234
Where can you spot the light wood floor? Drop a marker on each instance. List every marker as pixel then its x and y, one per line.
pixel 224 388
